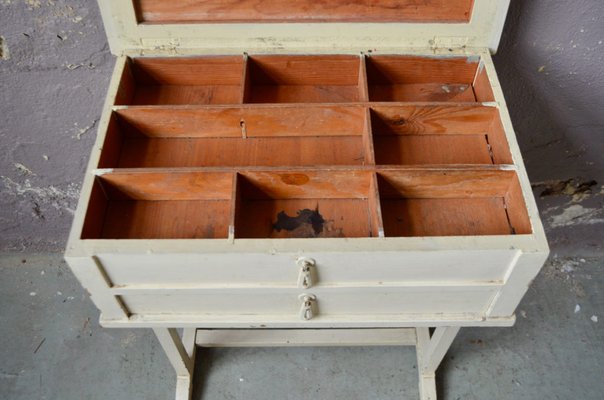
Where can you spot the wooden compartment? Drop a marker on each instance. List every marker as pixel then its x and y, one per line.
pixel 214 137
pixel 157 205
pixel 306 204
pixel 303 79
pixel 417 135
pixel 452 203
pixel 413 78
pixel 182 80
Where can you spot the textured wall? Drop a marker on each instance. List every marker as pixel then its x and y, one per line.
pixel 55 68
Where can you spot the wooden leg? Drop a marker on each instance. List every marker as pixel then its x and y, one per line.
pixel 181 353
pixel 430 352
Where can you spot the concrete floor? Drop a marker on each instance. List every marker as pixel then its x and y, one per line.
pixel 54 71
pixel 51 347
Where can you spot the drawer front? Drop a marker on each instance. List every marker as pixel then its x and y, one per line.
pixel 325 303
pixel 330 269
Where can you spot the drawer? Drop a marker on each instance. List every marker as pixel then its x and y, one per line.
pixel 329 269
pixel 325 303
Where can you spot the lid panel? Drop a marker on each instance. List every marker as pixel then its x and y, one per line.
pixel 192 11
pixel 302 26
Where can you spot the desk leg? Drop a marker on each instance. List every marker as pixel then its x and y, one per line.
pixel 430 352
pixel 181 353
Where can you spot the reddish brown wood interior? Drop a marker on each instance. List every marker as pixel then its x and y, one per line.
pixel 309 204
pixel 159 206
pixel 424 135
pixel 451 203
pixel 302 79
pixel 238 136
pixel 412 78
pixel 301 166
pixel 212 11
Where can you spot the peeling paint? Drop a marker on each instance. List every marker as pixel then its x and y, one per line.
pixel 578 188
pixel 577 215
pixel 3 49
pixel 60 199
pixel 23 170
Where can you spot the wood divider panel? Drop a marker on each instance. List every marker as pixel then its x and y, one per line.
pixel 363 80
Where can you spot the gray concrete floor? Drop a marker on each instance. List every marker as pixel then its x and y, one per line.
pixel 51 347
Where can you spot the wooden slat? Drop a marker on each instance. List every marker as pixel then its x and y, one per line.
pixel 426 184
pixel 375 208
pixel 335 70
pixel 186 94
pixel 389 69
pixel 431 149
pixel 453 92
pixel 112 145
pixel 430 119
pixel 305 337
pixel 309 184
pixel 168 185
pixel 363 84
pixel 190 219
pixel 230 152
pixel 499 143
pixel 210 70
pixel 482 86
pixel 368 139
pixel 516 209
pixel 261 121
pixel 445 217
pixel 97 206
pixel 304 94
pixel 188 11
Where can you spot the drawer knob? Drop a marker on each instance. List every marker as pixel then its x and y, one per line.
pixel 305 276
pixel 306 311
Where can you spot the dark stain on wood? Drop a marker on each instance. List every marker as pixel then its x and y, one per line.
pixel 310 221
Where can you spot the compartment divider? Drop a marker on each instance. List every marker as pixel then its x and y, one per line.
pixel 368 143
pixel 235 205
pixel 375 208
pixel 246 83
pixel 363 80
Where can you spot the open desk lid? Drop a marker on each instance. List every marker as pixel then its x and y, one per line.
pixel 232 26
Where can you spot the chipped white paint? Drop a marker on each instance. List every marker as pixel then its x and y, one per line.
pixel 576 214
